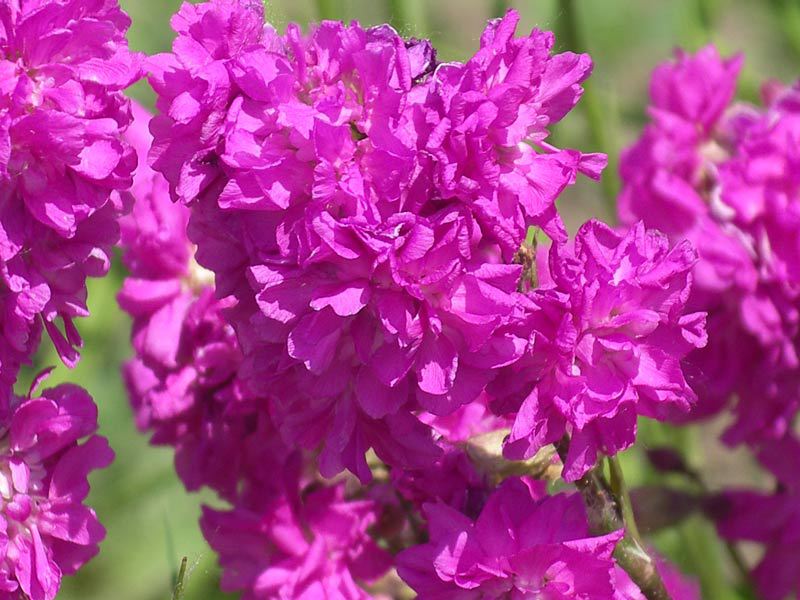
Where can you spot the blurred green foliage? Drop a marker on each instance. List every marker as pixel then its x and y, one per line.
pixel 151 520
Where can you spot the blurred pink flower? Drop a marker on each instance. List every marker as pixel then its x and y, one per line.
pixel 725 177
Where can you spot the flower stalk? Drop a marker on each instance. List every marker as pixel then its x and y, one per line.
pixel 623 496
pixel 180 581
pixel 609 509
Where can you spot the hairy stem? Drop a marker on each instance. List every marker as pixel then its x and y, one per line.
pixel 605 513
pixel 597 116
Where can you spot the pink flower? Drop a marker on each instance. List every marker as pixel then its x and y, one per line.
pixel 481 115
pixel 62 163
pixel 760 185
pixel 724 178
pixel 369 276
pixel 314 545
pixel 195 88
pixel 610 334
pixel 523 543
pixel 45 529
pixel 183 380
pixel 670 175
pixel 154 233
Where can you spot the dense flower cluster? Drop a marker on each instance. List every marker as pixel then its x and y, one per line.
pixel 725 177
pixel 357 315
pixel 64 64
pixel 523 544
pixel 45 529
pixel 64 172
pixel 362 203
pixel 609 334
pixel 182 381
pixel 371 305
pixel 316 546
pixel 184 387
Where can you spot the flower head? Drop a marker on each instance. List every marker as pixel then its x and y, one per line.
pixel 330 176
pixel 63 66
pixel 610 333
pixel 183 380
pixel 312 546
pixel 45 529
pixel 724 177
pixel 523 543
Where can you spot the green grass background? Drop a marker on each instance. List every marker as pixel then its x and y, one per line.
pixel 151 520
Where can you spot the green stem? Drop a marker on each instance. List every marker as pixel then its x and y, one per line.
pixel 597 116
pixel 408 17
pixel 177 593
pixel 605 515
pixel 623 497
pixel 326 10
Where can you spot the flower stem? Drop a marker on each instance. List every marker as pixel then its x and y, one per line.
pixel 623 497
pixel 596 114
pixel 738 561
pixel 605 513
pixel 177 592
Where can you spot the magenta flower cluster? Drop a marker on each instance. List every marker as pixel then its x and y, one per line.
pixel 609 333
pixel 62 164
pixel 358 316
pixel 343 300
pixel 524 544
pixel 369 264
pixel 724 175
pixel 64 175
pixel 45 529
